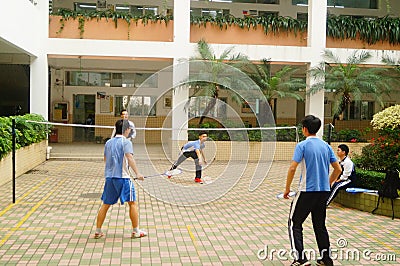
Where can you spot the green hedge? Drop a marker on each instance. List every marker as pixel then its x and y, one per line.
pixel 26 133
pixel 369 179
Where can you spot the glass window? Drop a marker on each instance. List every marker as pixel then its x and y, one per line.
pixel 302 17
pixel 267 13
pixel 245 1
pixel 143 10
pixel 85 6
pixel 116 79
pixel 359 110
pixel 198 105
pixel 208 12
pixel 78 78
pixel 146 80
pixel 136 105
pixel 123 8
pixel 367 4
pixel 99 79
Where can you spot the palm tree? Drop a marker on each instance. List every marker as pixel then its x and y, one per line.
pixel 279 85
pixel 214 67
pixel 348 81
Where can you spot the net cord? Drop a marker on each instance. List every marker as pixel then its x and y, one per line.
pixel 170 129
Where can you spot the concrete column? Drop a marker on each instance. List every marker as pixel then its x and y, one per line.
pixel 39 92
pixel 317 41
pixel 180 73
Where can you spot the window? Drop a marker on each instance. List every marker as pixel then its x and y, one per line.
pixel 78 78
pixel 267 13
pixel 359 110
pixel 146 80
pixel 367 4
pixel 276 2
pixel 204 12
pixel 136 105
pixel 85 6
pixel 302 17
pixel 198 105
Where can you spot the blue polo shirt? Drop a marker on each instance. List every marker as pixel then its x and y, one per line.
pixel 314 156
pixel 116 163
pixel 193 145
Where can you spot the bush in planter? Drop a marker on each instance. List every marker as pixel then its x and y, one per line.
pixel 369 179
pixel 5 136
pixel 383 152
pixel 26 133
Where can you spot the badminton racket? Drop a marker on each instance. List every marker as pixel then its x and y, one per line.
pixel 166 173
pixel 291 194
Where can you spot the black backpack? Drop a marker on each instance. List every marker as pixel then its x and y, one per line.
pixel 389 188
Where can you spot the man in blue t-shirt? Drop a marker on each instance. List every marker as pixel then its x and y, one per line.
pixel 118 154
pixel 193 149
pixel 314 155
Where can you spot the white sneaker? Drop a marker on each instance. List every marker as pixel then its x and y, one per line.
pixel 139 234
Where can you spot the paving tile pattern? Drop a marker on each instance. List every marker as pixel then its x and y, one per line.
pixel 53 223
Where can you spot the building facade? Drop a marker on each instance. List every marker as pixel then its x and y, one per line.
pixel 80 68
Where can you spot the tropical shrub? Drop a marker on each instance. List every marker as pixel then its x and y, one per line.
pixel 26 133
pixel 369 179
pixel 383 152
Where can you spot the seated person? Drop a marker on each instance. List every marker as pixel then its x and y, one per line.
pixel 348 172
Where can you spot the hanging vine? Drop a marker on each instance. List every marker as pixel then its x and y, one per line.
pixel 369 30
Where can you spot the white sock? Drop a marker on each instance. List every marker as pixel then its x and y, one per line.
pixel 136 230
pixel 98 230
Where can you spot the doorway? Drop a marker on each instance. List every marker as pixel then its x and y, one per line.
pixel 84 110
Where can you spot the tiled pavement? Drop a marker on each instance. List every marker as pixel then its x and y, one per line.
pixel 53 222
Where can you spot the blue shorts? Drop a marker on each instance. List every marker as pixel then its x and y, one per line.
pixel 121 188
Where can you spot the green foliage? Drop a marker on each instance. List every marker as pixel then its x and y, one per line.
pixel 339 27
pixel 5 136
pixel 369 30
pixel 82 16
pixel 271 23
pixel 349 81
pixel 26 133
pixel 279 85
pixel 369 179
pixel 243 135
pixel 384 152
pixel 345 135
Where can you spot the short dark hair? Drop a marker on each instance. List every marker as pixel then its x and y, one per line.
pixel 202 133
pixel 312 123
pixel 118 126
pixel 344 148
pixel 123 110
pixel 121 125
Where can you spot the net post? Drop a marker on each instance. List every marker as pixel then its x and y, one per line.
pixel 13 159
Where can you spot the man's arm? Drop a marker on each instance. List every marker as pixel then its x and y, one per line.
pixel 204 157
pixel 289 178
pixel 336 172
pixel 132 164
pixel 199 155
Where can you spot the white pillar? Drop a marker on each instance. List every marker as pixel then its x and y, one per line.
pixel 317 41
pixel 39 92
pixel 180 94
